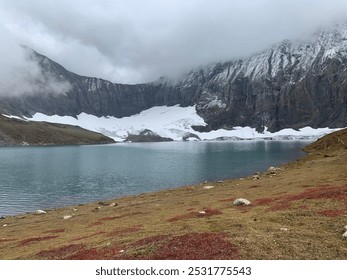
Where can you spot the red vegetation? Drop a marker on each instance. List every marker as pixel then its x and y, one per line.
pixel 332 212
pixel 254 186
pixel 35 239
pixel 336 193
pixel 190 209
pixel 123 231
pixel 59 230
pixel 88 236
pixel 95 224
pixel 208 213
pixel 80 252
pixel 60 252
pixel 104 253
pixel 263 201
pixel 150 240
pixel 197 246
pixel 109 218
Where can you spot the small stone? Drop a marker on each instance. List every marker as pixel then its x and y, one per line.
pixel 121 251
pixel 208 187
pixel 202 212
pixel 2 218
pixel 255 177
pixel 66 217
pixel 40 212
pixel 283 229
pixel 241 202
pixel 5 225
pixel 113 204
pixel 344 236
pixel 103 203
pixel 74 209
pixel 345 227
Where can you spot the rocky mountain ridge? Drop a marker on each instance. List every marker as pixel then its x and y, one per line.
pixel 292 84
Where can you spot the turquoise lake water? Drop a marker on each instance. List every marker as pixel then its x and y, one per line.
pixel 34 178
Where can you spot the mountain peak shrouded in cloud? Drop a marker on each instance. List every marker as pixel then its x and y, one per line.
pixel 21 72
pixel 138 41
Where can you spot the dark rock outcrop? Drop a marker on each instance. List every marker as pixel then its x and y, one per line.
pixel 147 135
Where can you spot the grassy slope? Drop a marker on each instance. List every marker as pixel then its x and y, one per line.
pixel 17 132
pixel 297 212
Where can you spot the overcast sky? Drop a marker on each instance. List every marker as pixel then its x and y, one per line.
pixel 133 41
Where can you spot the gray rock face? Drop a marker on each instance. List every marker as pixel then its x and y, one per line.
pixel 293 84
pixel 147 135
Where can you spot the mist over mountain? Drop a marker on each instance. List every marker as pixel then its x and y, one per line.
pixel 292 84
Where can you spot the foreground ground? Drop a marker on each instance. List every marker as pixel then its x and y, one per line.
pixel 298 212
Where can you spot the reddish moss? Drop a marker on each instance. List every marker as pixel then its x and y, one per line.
pixel 254 186
pixel 332 212
pixel 150 240
pixel 109 218
pixel 60 252
pixel 103 253
pixel 197 246
pixel 88 236
pixel 283 202
pixel 190 209
pixel 95 224
pixel 123 231
pixel 59 230
pixel 262 201
pixel 35 239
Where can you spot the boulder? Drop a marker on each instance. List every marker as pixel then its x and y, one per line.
pixel 344 236
pixel 241 202
pixel 66 217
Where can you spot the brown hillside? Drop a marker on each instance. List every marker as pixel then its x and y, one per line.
pixel 20 132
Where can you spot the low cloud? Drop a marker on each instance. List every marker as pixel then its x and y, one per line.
pixel 20 73
pixel 137 41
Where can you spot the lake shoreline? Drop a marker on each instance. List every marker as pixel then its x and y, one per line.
pixel 298 211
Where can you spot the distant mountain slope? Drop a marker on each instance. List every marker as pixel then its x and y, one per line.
pixel 292 84
pixel 18 132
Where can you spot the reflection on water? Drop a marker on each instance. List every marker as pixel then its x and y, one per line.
pixel 46 177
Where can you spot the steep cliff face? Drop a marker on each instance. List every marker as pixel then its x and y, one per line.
pixel 293 84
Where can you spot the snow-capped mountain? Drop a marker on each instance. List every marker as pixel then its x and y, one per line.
pixel 291 85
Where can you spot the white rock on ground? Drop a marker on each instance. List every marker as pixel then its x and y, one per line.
pixel 344 236
pixel 67 217
pixel 40 212
pixel 208 187
pixel 345 227
pixel 241 202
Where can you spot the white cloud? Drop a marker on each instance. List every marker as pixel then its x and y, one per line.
pixel 20 73
pixel 138 41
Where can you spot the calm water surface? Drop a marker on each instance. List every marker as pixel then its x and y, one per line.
pixel 46 177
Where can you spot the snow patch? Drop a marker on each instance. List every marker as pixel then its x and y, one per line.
pixel 176 123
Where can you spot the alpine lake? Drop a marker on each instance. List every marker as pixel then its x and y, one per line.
pixel 46 177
